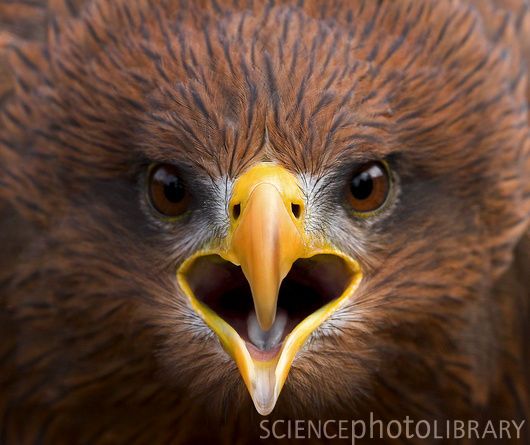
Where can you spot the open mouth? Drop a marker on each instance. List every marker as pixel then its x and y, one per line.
pixel 266 286
pixel 311 284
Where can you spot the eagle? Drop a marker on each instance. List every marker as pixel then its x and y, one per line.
pixel 216 212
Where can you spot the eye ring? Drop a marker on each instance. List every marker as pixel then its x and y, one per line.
pixel 368 188
pixel 167 190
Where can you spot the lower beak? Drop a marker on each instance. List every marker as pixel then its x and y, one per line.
pixel 266 243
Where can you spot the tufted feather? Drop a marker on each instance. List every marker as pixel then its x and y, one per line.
pixel 97 345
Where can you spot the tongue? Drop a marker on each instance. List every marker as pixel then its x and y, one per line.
pixel 266 340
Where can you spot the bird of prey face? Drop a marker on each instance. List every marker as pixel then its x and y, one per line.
pixel 322 204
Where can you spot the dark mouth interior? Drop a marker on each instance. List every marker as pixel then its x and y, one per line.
pixel 310 284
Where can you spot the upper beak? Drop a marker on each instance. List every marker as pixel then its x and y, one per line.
pixel 266 237
pixel 265 242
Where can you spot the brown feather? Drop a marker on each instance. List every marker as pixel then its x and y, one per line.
pixel 98 345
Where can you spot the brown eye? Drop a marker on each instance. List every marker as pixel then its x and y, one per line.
pixel 368 188
pixel 167 190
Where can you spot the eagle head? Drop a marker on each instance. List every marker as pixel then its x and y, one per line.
pixel 306 202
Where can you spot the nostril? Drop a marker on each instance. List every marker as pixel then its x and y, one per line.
pixel 296 209
pixel 236 211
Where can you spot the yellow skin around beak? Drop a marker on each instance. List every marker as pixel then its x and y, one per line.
pixel 266 237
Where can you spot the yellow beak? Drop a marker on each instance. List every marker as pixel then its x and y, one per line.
pixel 266 241
pixel 266 237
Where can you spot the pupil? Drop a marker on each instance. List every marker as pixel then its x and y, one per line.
pixel 174 190
pixel 362 186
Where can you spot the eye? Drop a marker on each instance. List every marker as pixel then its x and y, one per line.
pixel 167 190
pixel 368 187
